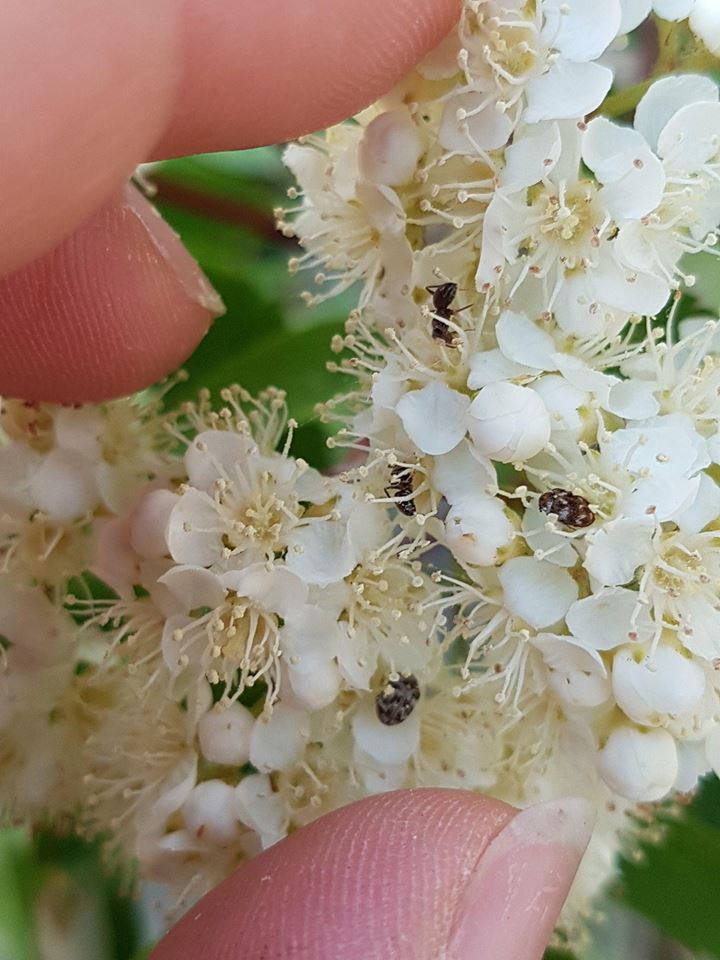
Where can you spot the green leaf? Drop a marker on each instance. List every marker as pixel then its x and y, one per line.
pixel 677 884
pixel 292 360
pixel 255 177
pixel 19 882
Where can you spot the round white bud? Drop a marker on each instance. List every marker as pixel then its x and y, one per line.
pixel 649 689
pixel 508 423
pixel 224 734
pixel 210 812
pixel 478 529
pixel 641 765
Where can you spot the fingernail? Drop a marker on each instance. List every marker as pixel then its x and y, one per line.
pixel 511 903
pixel 171 248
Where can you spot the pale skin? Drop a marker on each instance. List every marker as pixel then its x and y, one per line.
pixel 99 299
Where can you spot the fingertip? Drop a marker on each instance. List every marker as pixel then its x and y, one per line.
pixel 270 70
pixel 113 308
pixel 378 878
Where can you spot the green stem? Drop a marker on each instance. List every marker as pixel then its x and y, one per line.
pixel 625 101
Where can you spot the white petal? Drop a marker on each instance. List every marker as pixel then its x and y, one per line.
pixel 633 400
pixel 608 619
pixel 260 808
pixel 705 23
pixel 194 533
pixel 492 366
pixel 616 551
pixel 523 342
pixel 667 447
pixel 567 406
pixel 315 681
pixel 700 627
pixel 576 30
pixel 538 592
pixel 216 453
pixel 650 689
pixel 388 745
pixel 633 177
pixel 673 9
pixel 626 289
pixel 173 792
pixel 508 422
pixel 567 90
pixel 666 96
pixel 633 14
pixel 79 430
pixel 489 128
pixel 689 139
pixel 276 590
pixel 149 522
pixel 434 417
pixel 390 149
pixel 639 765
pixel 224 734
pixel 277 740
pixel 382 207
pixel 64 485
pixel 477 529
pixel 321 552
pixel 530 157
pixel 692 765
pixel 558 549
pixel 704 509
pixel 460 474
pixel 576 674
pixel 658 498
pixel 210 812
pixel 712 749
pixel 194 587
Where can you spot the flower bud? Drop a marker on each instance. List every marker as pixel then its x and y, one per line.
pixel 650 688
pixel 224 734
pixel 705 23
pixel 210 812
pixel 508 423
pixel 641 765
pixel 478 529
pixel 390 149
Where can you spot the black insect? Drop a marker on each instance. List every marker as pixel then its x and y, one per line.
pixel 397 700
pixel 443 295
pixel 570 509
pixel 401 485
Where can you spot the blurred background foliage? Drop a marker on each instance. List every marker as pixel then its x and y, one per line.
pixel 57 901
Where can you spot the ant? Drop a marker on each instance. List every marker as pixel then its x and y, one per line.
pixel 401 485
pixel 443 295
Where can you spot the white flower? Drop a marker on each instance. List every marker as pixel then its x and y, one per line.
pixel 508 422
pixel 637 764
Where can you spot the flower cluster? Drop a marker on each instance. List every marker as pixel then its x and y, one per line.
pixel 513 584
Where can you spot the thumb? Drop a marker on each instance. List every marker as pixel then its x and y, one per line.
pixel 410 875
